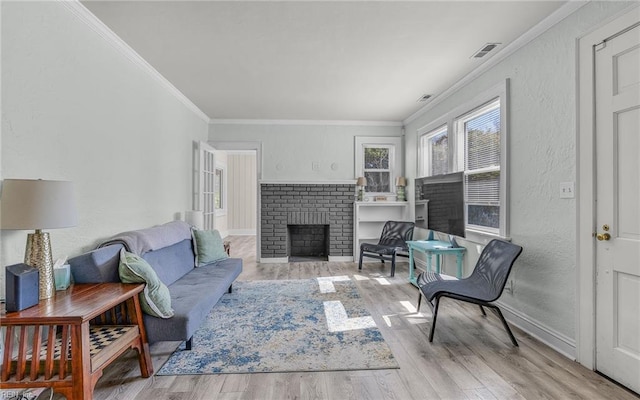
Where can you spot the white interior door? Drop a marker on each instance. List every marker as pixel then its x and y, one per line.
pixel 617 83
pixel 207 193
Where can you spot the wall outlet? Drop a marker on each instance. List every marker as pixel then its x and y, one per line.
pixel 567 190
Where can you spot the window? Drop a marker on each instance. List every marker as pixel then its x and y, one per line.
pixel 480 133
pixel 378 160
pixel 473 139
pixel 377 168
pixel 436 152
pixel 219 189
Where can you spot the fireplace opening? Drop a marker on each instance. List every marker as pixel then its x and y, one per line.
pixel 308 243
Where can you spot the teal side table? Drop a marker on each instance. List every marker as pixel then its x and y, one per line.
pixel 429 248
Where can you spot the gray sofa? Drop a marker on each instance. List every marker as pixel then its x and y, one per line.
pixel 194 291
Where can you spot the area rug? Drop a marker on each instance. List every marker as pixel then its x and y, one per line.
pixel 285 326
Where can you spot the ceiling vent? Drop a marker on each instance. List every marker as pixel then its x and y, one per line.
pixel 424 98
pixel 485 50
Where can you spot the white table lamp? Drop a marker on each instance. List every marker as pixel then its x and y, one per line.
pixel 38 204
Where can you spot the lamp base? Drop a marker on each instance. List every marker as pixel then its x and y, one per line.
pixel 38 254
pixel 400 193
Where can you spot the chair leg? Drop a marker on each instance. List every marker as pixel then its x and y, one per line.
pixel 506 326
pixel 393 265
pixel 360 263
pixel 484 314
pixel 419 299
pixel 435 315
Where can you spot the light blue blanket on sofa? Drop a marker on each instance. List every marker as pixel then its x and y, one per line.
pixel 157 237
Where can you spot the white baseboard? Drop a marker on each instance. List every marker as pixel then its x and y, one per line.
pixel 274 260
pixel 557 341
pixel 242 232
pixel 340 259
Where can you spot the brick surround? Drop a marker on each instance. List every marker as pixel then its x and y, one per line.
pixel 306 204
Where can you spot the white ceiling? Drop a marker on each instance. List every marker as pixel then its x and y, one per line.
pixel 304 60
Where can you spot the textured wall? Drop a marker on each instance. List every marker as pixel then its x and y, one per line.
pixel 74 108
pixel 542 146
pixel 290 151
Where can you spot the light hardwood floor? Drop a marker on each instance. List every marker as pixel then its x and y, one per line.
pixel 471 357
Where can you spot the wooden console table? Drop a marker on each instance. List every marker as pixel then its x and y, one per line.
pixel 66 341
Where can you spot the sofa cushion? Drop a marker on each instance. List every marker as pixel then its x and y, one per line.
pixel 155 299
pixel 172 262
pixel 208 247
pixel 193 297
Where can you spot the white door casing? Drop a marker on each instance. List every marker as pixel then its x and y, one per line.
pixel 586 165
pixel 617 137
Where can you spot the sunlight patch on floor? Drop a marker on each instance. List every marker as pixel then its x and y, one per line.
pixel 326 283
pixel 418 318
pixel 408 306
pixel 339 321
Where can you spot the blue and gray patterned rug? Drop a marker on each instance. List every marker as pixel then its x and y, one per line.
pixel 285 326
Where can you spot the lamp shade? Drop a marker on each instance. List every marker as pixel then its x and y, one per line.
pixel 362 181
pixel 401 181
pixel 37 204
pixel 194 218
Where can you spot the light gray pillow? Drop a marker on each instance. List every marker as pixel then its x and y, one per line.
pixel 155 299
pixel 208 247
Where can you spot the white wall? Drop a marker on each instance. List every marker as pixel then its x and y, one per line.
pixel 289 151
pixel 543 154
pixel 74 108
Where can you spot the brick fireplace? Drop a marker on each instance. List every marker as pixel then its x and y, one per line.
pixel 306 220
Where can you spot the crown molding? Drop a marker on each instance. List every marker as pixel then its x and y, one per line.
pixel 561 13
pixel 302 122
pixel 84 15
pixel 306 183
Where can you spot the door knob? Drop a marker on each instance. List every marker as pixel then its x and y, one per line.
pixel 603 236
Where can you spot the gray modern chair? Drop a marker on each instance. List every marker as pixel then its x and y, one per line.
pixel 482 287
pixel 394 237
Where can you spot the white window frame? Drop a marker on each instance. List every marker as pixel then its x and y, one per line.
pixel 396 160
pixel 222 210
pixel 425 164
pixel 461 139
pixel 453 120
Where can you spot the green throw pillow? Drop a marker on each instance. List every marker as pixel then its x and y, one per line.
pixel 155 299
pixel 208 247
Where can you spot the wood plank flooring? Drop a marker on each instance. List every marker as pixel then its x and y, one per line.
pixel 471 357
